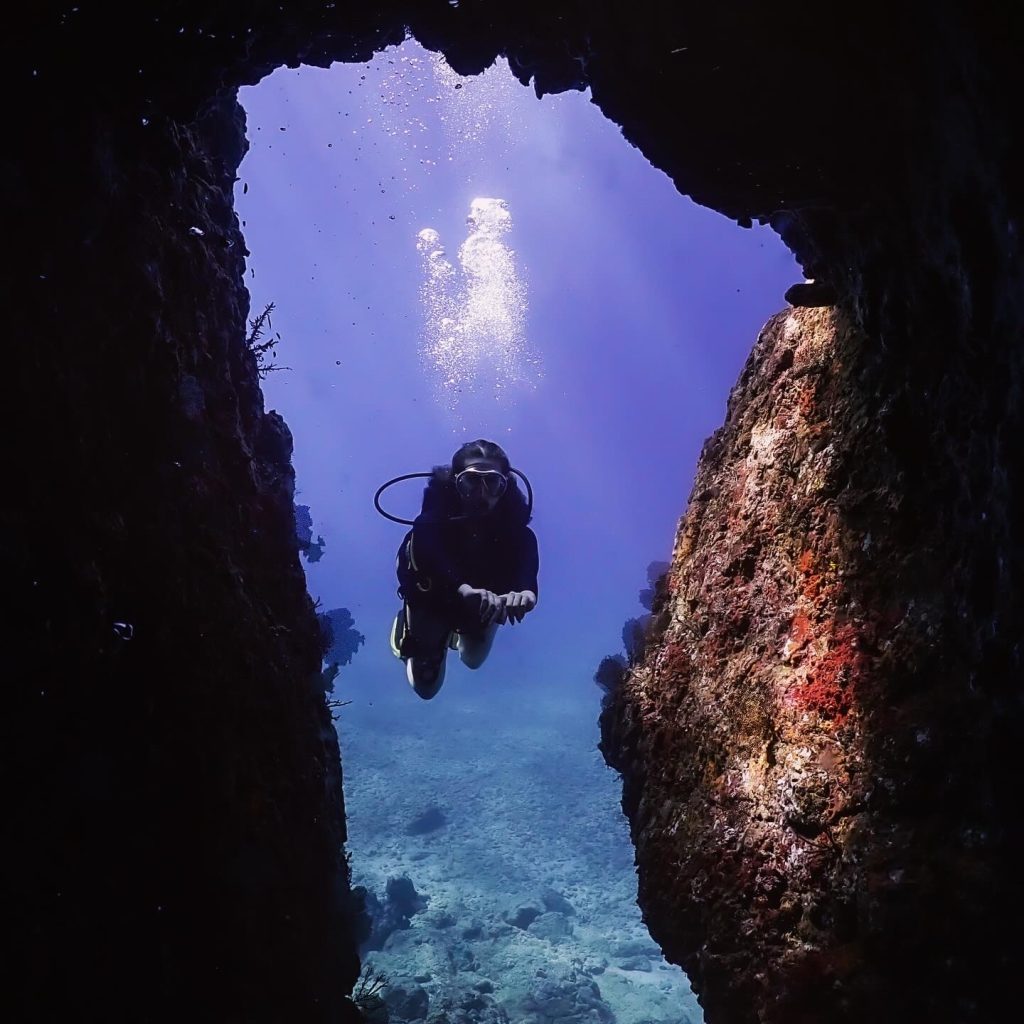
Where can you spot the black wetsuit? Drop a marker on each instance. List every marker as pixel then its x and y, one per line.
pixel 496 551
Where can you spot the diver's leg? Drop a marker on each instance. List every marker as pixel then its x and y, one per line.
pixel 429 633
pixel 475 645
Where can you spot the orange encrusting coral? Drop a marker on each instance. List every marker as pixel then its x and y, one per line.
pixel 832 653
pixel 830 686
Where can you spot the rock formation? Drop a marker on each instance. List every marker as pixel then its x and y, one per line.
pixel 174 808
pixel 814 758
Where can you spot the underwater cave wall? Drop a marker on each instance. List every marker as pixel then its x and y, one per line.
pixel 173 785
pixel 173 807
pixel 818 743
pixel 819 746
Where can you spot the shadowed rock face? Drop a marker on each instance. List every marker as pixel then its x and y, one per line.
pixel 174 806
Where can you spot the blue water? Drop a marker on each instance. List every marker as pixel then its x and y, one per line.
pixel 590 320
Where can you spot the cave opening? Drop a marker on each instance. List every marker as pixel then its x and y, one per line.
pixel 175 817
pixel 443 258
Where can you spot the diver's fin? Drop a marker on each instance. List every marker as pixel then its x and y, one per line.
pixel 398 628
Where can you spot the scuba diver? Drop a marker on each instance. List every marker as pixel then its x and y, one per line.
pixel 468 565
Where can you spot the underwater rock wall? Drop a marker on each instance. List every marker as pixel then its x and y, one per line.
pixel 819 747
pixel 817 744
pixel 173 787
pixel 174 822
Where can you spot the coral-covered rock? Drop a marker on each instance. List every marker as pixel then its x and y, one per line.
pixel 805 745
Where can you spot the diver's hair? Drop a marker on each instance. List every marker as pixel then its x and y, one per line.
pixel 480 449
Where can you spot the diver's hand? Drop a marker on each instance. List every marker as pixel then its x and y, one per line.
pixel 492 608
pixel 518 603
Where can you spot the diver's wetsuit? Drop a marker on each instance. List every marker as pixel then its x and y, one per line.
pixel 445 548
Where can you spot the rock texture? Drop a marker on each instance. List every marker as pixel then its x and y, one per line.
pixel 815 743
pixel 173 791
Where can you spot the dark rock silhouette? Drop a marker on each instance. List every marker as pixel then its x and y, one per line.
pixel 634 637
pixel 612 667
pixel 469 1008
pixel 523 916
pixel 400 904
pixel 610 673
pixel 339 639
pixel 407 1004
pixel 430 820
pixel 656 572
pixel 568 997
pixel 555 901
pixel 551 925
pixel 312 550
pixel 811 293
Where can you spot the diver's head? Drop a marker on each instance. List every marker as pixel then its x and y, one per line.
pixel 480 470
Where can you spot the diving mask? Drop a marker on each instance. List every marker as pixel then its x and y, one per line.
pixel 474 483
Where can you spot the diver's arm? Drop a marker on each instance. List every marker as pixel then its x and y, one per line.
pixel 528 563
pixel 523 598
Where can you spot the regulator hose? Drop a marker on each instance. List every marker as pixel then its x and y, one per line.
pixel 411 476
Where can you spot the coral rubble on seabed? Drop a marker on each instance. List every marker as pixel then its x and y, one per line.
pixel 530 909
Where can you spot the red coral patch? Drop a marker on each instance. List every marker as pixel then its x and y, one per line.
pixel 830 687
pixel 799 631
pixel 806 399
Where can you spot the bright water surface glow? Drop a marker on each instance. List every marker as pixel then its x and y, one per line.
pixel 451 258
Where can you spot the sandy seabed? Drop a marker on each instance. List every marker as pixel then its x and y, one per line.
pixel 530 909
